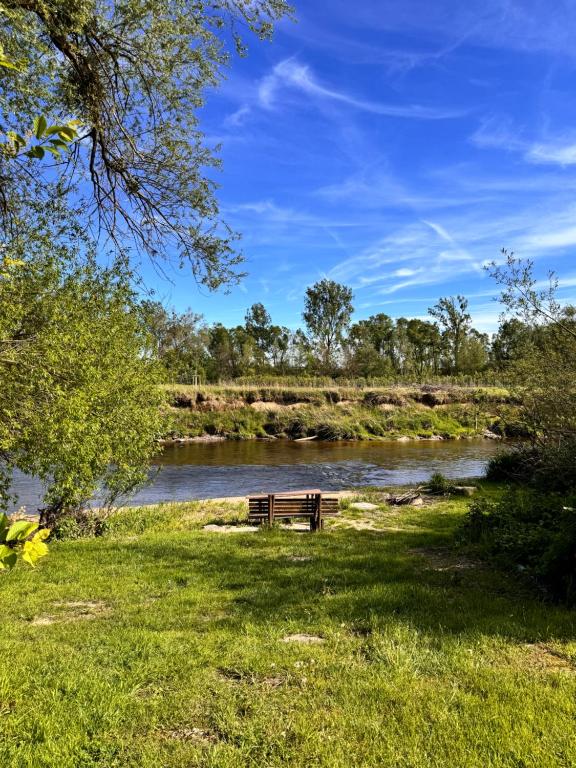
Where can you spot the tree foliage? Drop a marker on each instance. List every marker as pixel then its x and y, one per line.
pixel 79 406
pixel 544 374
pixel 134 73
pixel 454 319
pixel 327 311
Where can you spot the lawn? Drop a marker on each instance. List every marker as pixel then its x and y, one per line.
pixel 162 644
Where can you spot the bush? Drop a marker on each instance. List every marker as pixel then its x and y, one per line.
pixel 508 466
pixel 548 468
pixel 532 531
pixel 439 485
pixel 80 524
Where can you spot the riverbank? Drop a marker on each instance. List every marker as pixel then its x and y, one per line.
pixel 162 643
pixel 337 413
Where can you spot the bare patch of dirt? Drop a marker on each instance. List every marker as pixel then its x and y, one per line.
pixel 303 638
pixel 541 657
pixel 43 621
pixel 74 610
pixel 442 559
pixel 84 605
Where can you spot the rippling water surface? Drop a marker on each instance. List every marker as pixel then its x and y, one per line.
pixel 210 470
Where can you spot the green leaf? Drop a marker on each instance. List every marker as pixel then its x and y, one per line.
pixel 5 62
pixel 67 133
pixel 52 130
pixel 39 126
pixel 7 557
pixel 34 549
pixel 8 64
pixel 53 151
pixel 16 139
pixel 3 525
pixel 36 152
pixel 20 530
pixel 59 143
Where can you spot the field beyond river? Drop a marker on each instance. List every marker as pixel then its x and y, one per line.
pixel 338 413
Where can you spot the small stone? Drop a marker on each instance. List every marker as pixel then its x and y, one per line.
pixel 364 506
pixel 417 502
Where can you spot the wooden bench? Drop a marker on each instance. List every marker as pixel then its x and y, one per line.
pixel 311 504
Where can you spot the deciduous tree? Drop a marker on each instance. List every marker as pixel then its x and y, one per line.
pixel 452 314
pixel 327 311
pixel 135 73
pixel 79 402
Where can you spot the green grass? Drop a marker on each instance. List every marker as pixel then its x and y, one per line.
pixel 161 645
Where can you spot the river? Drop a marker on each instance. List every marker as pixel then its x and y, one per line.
pixel 211 470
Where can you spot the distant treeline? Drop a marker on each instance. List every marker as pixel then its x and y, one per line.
pixel 329 344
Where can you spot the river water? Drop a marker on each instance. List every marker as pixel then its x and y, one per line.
pixel 210 470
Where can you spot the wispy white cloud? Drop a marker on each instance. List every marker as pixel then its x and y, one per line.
pixel 377 190
pixel 494 133
pixel 525 25
pixel 268 212
pixel 497 133
pixel 237 118
pixel 553 153
pixel 419 247
pixel 291 74
pixel 551 239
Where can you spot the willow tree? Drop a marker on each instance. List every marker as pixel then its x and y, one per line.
pixel 135 73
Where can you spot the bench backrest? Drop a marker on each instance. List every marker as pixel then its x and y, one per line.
pixel 284 505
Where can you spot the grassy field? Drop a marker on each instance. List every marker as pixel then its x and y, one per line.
pixel 162 644
pixel 336 413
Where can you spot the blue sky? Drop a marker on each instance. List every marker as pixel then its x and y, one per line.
pixel 396 148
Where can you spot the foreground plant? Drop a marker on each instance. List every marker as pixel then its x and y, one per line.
pixel 16 540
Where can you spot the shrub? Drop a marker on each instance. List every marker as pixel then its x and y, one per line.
pixel 548 468
pixel 507 466
pixel 532 531
pixel 439 485
pixel 79 524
